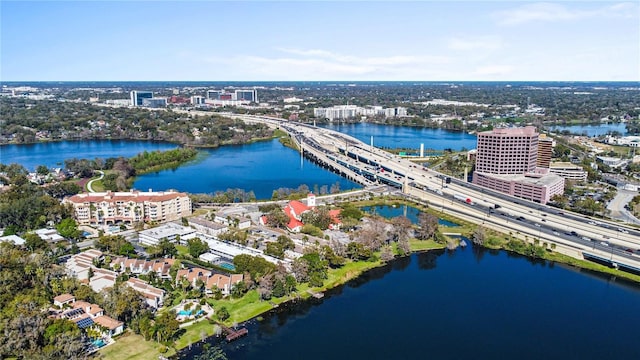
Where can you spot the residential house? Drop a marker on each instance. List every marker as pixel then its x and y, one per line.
pixel 153 296
pixel 137 266
pixel 86 315
pixel 209 279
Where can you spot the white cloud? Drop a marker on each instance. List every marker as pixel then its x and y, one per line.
pixel 313 64
pixel 550 12
pixel 475 43
pixel 497 71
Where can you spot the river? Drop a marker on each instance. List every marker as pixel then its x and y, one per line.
pixel 461 304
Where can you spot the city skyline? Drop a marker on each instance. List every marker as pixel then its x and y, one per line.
pixel 320 41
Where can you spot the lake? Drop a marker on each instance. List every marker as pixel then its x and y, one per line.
pixel 406 137
pixel 262 167
pixel 53 154
pixel 592 130
pixel 410 212
pixel 464 304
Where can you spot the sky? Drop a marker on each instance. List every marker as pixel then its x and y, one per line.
pixel 319 41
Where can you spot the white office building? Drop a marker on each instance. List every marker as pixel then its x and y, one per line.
pixel 170 231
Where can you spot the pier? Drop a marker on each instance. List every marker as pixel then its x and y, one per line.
pixel 233 334
pixel 317 295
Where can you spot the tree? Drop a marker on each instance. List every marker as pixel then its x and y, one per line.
pixel 401 226
pixel 275 250
pixel 386 254
pixel 197 247
pixel 277 218
pixel 265 287
pixel 357 251
pixel 238 289
pixel 479 235
pixel 427 226
pixel 222 313
pixel 403 247
pixel 166 248
pixel 330 257
pixel 42 170
pixel 256 266
pixel 374 234
pixel 286 242
pixel 33 241
pixel 300 269
pixel 68 229
pixel 211 353
pixel 165 327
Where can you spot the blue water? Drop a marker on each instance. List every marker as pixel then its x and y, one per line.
pixel 406 137
pixel 410 212
pixel 262 167
pixel 466 304
pixel 227 266
pixel 592 130
pixel 184 312
pixel 53 154
pixel 98 343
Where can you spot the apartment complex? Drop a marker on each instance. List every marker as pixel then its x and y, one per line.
pixel 352 111
pixel 507 161
pixel 244 95
pixel 130 207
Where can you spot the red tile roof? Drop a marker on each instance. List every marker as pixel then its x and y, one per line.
pixel 294 223
pixel 297 207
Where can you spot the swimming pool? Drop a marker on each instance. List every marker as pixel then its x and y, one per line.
pixel 227 266
pixel 99 343
pixel 184 312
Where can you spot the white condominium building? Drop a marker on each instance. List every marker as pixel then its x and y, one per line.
pixel 352 111
pixel 129 207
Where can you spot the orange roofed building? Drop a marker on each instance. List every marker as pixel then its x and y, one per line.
pixel 294 210
pixel 130 207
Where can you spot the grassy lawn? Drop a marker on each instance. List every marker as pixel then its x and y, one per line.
pixel 194 333
pixel 133 347
pixel 421 245
pixel 182 250
pixel 585 264
pixel 244 308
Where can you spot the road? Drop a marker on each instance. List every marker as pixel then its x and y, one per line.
pixel 347 155
pixel 90 183
pixel 617 206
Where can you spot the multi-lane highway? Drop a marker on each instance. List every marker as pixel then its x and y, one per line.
pixel 367 165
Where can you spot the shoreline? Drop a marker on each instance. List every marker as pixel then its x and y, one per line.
pixel 354 270
pixel 333 289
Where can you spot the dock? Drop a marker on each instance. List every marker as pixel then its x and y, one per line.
pixel 317 295
pixel 234 334
pixel 237 334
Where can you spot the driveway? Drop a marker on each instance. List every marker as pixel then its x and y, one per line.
pixel 616 206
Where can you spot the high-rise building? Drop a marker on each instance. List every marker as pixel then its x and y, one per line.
pixel 507 151
pixel 507 161
pixel 197 100
pixel 214 94
pixel 247 95
pixel 545 151
pixel 138 96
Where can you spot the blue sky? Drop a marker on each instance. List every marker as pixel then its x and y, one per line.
pixel 362 40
